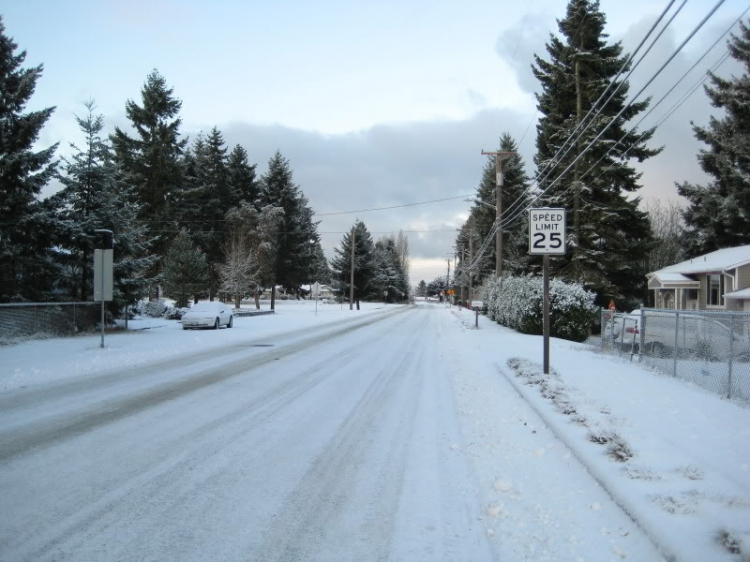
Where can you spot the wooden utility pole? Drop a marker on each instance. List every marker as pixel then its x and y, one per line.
pixel 448 282
pixel 471 261
pixel 351 283
pixel 499 208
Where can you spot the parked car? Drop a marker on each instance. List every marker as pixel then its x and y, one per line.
pixel 208 315
pixel 697 335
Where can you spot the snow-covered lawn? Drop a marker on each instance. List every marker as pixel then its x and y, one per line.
pixel 675 457
pixel 149 340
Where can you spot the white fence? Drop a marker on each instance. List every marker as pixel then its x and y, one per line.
pixel 20 321
pixel 708 348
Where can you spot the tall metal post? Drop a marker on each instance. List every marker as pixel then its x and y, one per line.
pixel 676 339
pixel 546 313
pixel 731 356
pixel 351 284
pixel 642 346
pixel 102 276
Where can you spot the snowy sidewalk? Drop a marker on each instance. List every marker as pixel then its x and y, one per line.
pixel 673 456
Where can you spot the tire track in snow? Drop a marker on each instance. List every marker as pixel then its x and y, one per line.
pixel 321 499
pixel 187 453
pixel 56 429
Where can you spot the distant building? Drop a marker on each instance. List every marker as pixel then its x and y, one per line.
pixel 719 280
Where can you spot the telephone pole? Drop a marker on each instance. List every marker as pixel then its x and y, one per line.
pixel 499 208
pixel 448 283
pixel 471 261
pixel 351 284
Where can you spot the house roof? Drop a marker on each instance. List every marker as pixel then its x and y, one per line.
pixel 667 277
pixel 720 260
pixel 742 294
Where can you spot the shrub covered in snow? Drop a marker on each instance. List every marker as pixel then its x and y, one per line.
pixel 516 302
pixel 175 312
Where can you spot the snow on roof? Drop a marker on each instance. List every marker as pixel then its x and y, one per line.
pixel 720 260
pixel 742 294
pixel 666 277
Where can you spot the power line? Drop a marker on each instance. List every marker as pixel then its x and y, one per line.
pixel 708 16
pixel 554 161
pixel 392 206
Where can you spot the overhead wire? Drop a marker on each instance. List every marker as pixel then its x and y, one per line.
pixel 507 220
pixel 577 132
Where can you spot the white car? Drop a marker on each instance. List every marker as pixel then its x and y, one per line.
pixel 208 315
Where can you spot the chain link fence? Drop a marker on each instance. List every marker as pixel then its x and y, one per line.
pixel 708 348
pixel 22 321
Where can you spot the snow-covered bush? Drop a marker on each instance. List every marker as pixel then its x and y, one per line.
pixel 175 312
pixel 517 302
pixel 153 308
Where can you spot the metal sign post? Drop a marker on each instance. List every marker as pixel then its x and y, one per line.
pixel 546 237
pixel 103 266
pixel 316 292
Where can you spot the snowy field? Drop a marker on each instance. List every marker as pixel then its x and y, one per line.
pixel 392 433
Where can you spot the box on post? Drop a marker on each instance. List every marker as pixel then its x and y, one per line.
pixel 103 264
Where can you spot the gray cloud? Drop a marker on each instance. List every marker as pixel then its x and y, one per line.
pixel 384 166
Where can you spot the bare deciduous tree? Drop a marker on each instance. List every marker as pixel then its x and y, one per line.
pixel 239 272
pixel 667 227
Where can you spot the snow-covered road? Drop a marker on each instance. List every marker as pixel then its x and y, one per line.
pixel 359 440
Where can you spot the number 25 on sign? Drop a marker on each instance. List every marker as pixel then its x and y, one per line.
pixel 547 231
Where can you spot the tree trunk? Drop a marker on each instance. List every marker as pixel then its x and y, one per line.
pixel 357 304
pixel 237 300
pixel 256 296
pixel 273 297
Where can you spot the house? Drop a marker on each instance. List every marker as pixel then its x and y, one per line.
pixel 719 280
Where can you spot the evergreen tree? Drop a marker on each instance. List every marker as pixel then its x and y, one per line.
pixel 242 177
pixel 607 233
pixel 719 213
pixel 206 199
pixel 95 196
pixel 364 263
pixel 151 160
pixel 422 289
pixel 185 270
pixel 297 257
pixel 389 280
pixel 27 225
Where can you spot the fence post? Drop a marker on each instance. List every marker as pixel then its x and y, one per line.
pixel 642 348
pixel 612 332
pixel 603 323
pixel 676 339
pixel 731 355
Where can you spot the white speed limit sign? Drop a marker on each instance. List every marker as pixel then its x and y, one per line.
pixel 546 231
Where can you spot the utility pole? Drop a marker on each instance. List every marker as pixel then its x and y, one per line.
pixel 499 209
pixel 351 283
pixel 448 283
pixel 471 261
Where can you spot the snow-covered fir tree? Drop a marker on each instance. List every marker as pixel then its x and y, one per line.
pixel 241 176
pixel 422 289
pixel 364 264
pixel 28 266
pixel 297 257
pixel 151 159
pixel 185 270
pixel 607 234
pixel 718 215
pixel 94 196
pixel 389 281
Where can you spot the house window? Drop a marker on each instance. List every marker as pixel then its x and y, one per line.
pixel 691 294
pixel 715 290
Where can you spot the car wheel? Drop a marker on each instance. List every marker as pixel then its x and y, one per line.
pixel 216 324
pixel 231 322
pixel 184 327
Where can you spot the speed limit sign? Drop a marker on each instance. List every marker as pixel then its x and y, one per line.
pixel 546 231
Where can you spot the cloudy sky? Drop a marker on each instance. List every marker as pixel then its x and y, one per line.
pixel 375 104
